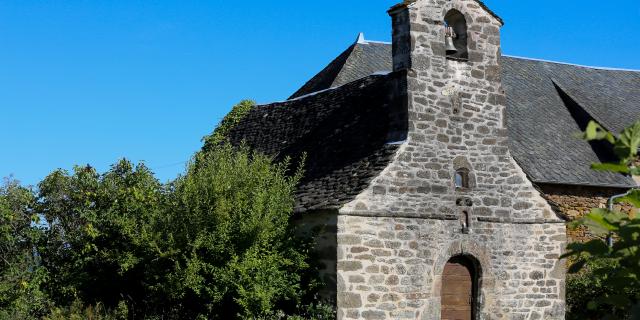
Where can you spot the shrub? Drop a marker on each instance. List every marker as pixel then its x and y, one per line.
pixel 591 282
pixel 608 277
pixel 21 276
pixel 234 253
pixel 216 243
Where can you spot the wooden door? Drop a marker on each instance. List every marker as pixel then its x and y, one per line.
pixel 458 290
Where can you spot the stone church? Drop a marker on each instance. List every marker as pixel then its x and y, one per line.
pixel 439 172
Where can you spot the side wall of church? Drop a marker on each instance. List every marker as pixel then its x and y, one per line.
pixel 577 201
pixel 395 238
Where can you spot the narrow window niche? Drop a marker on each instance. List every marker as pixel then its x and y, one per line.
pixel 465 222
pixel 456 101
pixel 456 36
pixel 464 209
pixel 461 178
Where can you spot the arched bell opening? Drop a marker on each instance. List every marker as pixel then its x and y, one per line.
pixel 456 35
pixel 460 289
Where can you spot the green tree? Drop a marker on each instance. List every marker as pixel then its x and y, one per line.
pixel 229 217
pixel 20 273
pixel 611 273
pixel 100 242
pixel 216 243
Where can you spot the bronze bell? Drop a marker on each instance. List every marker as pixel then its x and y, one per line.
pixel 449 36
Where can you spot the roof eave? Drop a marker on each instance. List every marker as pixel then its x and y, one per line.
pixel 398 7
pixel 591 185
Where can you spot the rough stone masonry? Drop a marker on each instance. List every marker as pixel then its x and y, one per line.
pixel 395 238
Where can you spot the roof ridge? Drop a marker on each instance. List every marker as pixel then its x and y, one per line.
pixel 571 64
pixel 343 72
pixel 361 40
pixel 311 94
pixel 341 59
pixel 366 41
pixel 372 41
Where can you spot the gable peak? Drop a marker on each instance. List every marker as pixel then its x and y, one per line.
pixel 406 3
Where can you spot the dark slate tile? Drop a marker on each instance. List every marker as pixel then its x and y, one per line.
pixel 541 128
pixel 343 132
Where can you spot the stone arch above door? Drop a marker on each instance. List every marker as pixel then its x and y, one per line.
pixel 465 248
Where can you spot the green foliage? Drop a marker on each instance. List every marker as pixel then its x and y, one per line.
pixel 593 282
pixel 611 274
pixel 78 311
pixel 101 235
pixel 625 146
pixel 236 114
pixel 316 311
pixel 216 243
pixel 231 213
pixel 313 311
pixel 20 274
pixel 618 267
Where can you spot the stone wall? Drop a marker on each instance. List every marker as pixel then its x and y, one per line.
pixel 389 268
pixel 577 201
pixel 397 235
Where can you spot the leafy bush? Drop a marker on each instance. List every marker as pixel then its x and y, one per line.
pixel 100 238
pixel 229 218
pixel 609 274
pixel 21 277
pixel 78 311
pixel 219 135
pixel 592 282
pixel 216 243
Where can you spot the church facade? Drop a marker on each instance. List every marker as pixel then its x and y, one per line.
pixel 439 173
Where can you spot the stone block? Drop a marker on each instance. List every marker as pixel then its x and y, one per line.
pixel 349 265
pixel 374 315
pixel 349 300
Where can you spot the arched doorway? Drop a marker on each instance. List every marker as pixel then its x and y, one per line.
pixel 459 289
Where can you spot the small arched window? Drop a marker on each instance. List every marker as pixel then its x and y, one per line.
pixel 461 178
pixel 456 35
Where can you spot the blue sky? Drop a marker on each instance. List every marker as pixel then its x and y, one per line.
pixel 94 81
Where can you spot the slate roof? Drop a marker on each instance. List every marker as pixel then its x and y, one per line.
pixel 341 120
pixel 548 103
pixel 358 61
pixel 344 133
